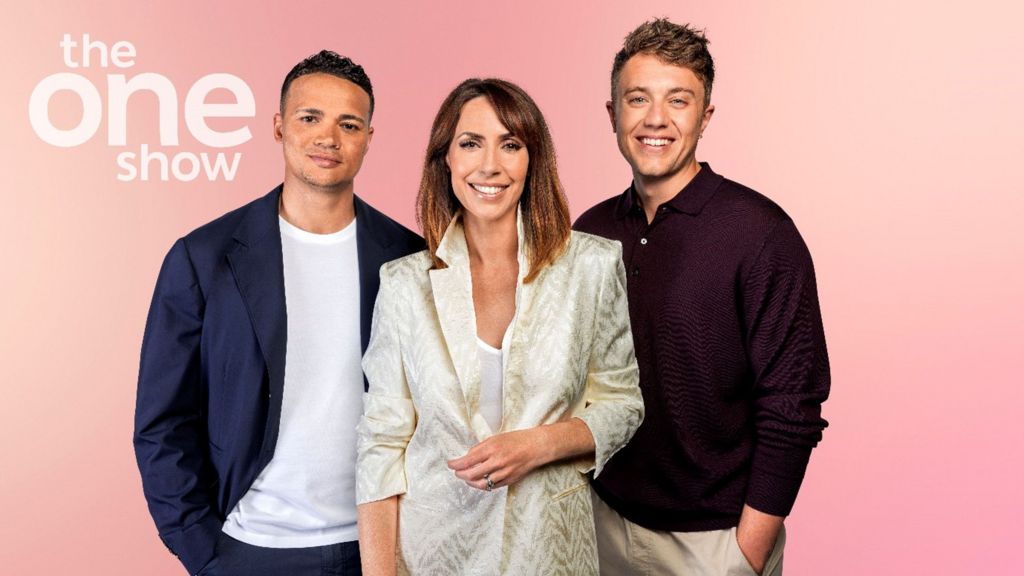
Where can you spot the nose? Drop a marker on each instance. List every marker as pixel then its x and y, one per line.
pixel 656 116
pixel 489 163
pixel 328 136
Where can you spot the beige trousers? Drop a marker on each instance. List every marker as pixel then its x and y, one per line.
pixel 625 549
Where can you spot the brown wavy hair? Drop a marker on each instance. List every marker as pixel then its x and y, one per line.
pixel 675 44
pixel 543 204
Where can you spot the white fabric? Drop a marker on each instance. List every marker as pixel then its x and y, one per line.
pixel 306 495
pixel 491 368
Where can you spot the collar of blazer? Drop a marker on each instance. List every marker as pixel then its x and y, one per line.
pixel 259 274
pixel 452 289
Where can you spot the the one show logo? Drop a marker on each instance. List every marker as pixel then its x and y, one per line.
pixel 143 163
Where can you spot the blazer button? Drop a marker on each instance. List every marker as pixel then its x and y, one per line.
pixel 643 241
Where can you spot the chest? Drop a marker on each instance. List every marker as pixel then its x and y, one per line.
pixel 547 355
pixel 494 300
pixel 681 262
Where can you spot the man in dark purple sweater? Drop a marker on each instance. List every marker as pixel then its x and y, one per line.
pixel 727 329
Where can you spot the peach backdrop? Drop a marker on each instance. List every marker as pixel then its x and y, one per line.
pixel 890 131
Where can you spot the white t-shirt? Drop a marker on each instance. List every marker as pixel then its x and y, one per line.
pixel 306 495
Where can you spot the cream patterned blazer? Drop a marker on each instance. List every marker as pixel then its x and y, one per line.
pixel 570 354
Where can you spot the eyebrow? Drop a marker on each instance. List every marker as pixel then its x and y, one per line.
pixel 320 113
pixel 476 136
pixel 645 90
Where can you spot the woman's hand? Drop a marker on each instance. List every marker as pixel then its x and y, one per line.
pixel 507 458
pixel 503 458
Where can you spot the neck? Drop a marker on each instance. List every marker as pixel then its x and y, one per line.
pixel 318 210
pixel 491 243
pixel 654 192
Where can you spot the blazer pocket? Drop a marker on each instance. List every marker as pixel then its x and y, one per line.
pixel 569 492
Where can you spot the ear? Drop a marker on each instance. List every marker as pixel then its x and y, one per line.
pixel 708 112
pixel 369 138
pixel 611 113
pixel 278 122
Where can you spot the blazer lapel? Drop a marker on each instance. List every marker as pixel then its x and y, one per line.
pixel 257 266
pixel 371 247
pixel 452 291
pixel 522 327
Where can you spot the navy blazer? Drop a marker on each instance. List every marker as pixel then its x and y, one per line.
pixel 211 377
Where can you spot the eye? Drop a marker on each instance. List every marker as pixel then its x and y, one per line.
pixel 350 127
pixel 637 100
pixel 678 102
pixel 468 144
pixel 307 119
pixel 511 146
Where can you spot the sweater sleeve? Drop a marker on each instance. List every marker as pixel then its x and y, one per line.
pixel 786 348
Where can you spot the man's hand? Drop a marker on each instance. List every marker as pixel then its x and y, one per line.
pixel 756 536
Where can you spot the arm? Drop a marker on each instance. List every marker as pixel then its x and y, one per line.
pixel 756 535
pixel 170 438
pixel 613 407
pixel 388 422
pixel 508 457
pixel 786 348
pixel 378 535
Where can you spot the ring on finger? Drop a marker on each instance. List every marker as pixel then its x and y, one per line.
pixel 490 483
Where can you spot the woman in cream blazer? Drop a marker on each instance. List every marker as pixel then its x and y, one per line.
pixel 441 490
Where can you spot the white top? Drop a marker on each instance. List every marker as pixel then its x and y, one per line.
pixel 306 496
pixel 491 377
pixel 492 374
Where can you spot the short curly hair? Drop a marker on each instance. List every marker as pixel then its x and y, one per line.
pixel 327 62
pixel 679 45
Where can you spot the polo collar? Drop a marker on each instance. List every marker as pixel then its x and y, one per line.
pixel 690 200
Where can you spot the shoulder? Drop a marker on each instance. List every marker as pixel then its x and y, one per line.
pixel 770 231
pixel 591 247
pixel 598 215
pixel 748 204
pixel 208 244
pixel 399 238
pixel 221 231
pixel 591 255
pixel 408 270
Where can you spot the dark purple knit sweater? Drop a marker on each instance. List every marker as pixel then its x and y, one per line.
pixel 732 356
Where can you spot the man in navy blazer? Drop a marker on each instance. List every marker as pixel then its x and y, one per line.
pixel 250 387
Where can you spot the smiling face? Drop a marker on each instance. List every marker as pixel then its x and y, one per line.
pixel 658 116
pixel 488 165
pixel 325 132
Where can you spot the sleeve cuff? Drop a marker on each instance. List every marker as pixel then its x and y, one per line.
pixel 775 478
pixel 195 545
pixel 384 432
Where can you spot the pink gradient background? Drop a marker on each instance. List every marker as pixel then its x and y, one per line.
pixel 890 131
